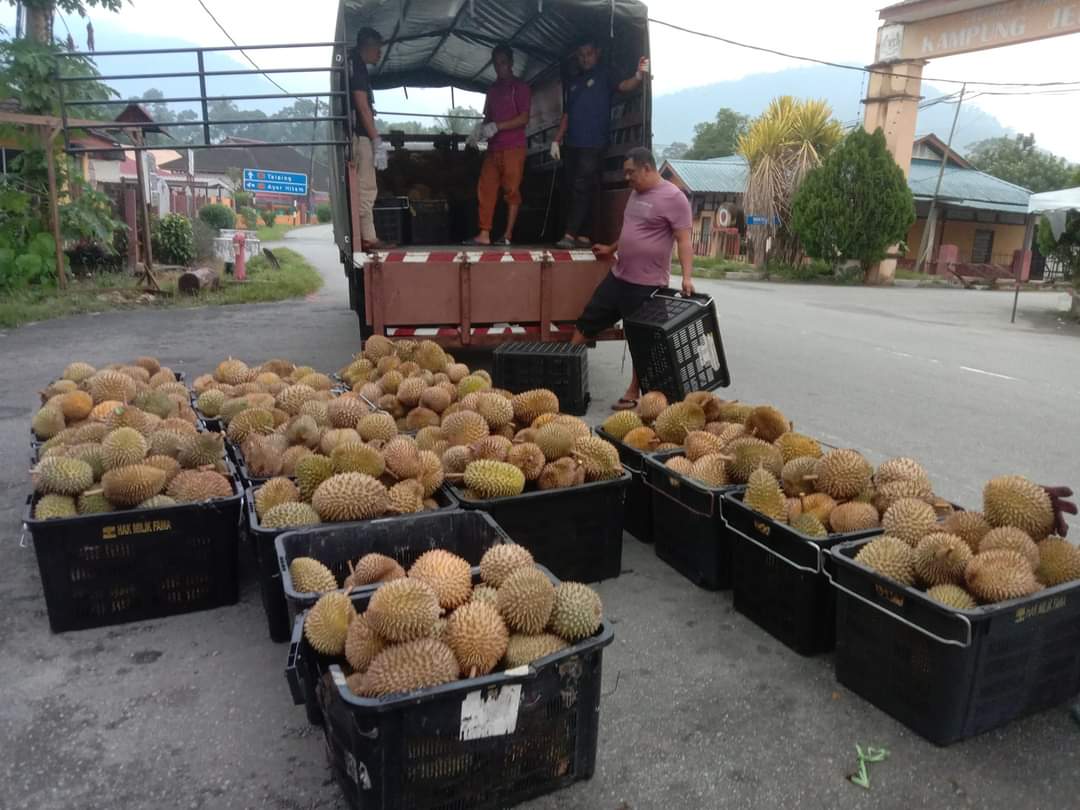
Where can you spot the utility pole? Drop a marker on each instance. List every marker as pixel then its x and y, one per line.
pixel 311 169
pixel 931 218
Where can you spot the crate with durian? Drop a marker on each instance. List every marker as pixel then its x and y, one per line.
pixel 979 615
pixel 415 659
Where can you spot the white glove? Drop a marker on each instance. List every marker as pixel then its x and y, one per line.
pixel 473 141
pixel 556 151
pixel 642 67
pixel 488 131
pixel 382 154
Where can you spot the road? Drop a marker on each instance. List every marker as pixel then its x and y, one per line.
pixel 701 709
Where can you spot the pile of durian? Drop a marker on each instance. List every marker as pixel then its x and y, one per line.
pixel 976 558
pixel 432 625
pixel 122 437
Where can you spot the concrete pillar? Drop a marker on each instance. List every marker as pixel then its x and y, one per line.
pixel 947 254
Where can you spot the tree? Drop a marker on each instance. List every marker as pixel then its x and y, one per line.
pixel 1065 249
pixel 855 205
pixel 718 138
pixel 1017 160
pixel 458 121
pixel 675 151
pixel 39 14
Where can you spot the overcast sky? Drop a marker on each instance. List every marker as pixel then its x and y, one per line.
pixel 839 30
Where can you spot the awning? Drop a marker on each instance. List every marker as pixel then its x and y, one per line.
pixel 1054 205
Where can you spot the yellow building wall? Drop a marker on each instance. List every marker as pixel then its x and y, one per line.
pixel 1007 238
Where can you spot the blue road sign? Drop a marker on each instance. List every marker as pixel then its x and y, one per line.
pixel 276 182
pixel 754 219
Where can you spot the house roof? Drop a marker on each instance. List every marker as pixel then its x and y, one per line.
pixel 938 146
pixel 726 175
pixel 269 158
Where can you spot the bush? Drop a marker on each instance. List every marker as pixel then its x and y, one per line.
pixel 88 257
pixel 31 264
pixel 242 199
pixel 218 216
pixel 204 236
pixel 268 217
pixel 173 240
pixel 251 217
pixel 324 213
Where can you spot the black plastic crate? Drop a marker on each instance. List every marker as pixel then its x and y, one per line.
pixel 482 743
pixel 689 532
pixel 430 222
pixel 278 616
pixel 951 674
pixel 777 577
pixel 638 517
pixel 391 217
pixel 558 366
pixel 335 545
pixel 676 345
pixel 576 532
pixel 134 564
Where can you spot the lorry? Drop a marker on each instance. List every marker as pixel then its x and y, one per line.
pixel 430 286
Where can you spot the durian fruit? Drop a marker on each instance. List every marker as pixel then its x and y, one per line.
pixel 735 411
pixel 531 404
pixel 940 559
pixel 854 517
pixel 455 459
pixel 405 498
pixel 403 610
pixel 377 427
pixel 528 458
pixel 93 502
pixel 999 575
pixel 748 457
pixel 727 432
pixel 809 526
pixel 494 479
pixel 292 398
pixel 767 423
pixel 651 405
pixel 970 527
pixel 465 428
pixel 526 598
pixel 843 474
pixel 711 470
pixel 303 429
pixel 676 421
pixel 311 576
pixel 232 371
pixel 795 445
pixel 129 486
pixel 952 596
pixel 473 384
pixel 345 412
pixel 681 465
pixel 406 667
pixel 598 457
pixel 900 469
pixel 50 507
pixel 701 443
pixel 311 471
pixel 157 502
pixel 887 494
pixel 108 386
pixel 196 486
pixel 497 411
pixel 1059 562
pixel 477 634
pixel 201 450
pixel 372 568
pixel 642 438
pixel 485 594
pixel 798 476
pixel 350 496
pixel 819 505
pixel 362 644
pixel 47 422
pixel 502 560
pixel 910 520
pixel 129 416
pixel 1012 500
pixel 377 347
pixel 167 464
pixel 78 372
pixel 57 475
pixel 555 440
pixel 891 557
pixel 357 457
pixel 274 492
pixel 764 495
pixel 524 649
pixel 561 474
pixel 1006 537
pixel 577 611
pixel 430 356
pixel 335 437
pixel 76 405
pixel 620 423
pixel 327 623
pixel 122 447
pixel 253 421
pixel 492 448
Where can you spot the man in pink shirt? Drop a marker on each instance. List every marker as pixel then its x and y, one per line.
pixel 506 114
pixel 657 217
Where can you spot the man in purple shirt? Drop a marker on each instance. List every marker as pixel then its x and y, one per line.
pixel 657 217
pixel 506 114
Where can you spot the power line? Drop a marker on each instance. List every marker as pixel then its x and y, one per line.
pixel 842 66
pixel 242 51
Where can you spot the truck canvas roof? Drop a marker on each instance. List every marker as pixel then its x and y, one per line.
pixel 440 43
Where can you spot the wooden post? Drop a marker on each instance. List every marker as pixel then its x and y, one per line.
pixel 131 217
pixel 140 192
pixel 54 210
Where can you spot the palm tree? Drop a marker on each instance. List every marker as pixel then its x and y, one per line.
pixel 788 140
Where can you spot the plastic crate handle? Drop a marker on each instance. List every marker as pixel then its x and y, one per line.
pixel 292 668
pixel 702 301
pixel 712 498
pixel 770 551
pixel 963 619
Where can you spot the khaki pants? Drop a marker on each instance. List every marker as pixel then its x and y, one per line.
pixel 366 187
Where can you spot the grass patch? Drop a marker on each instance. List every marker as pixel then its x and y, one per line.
pixel 274 233
pixel 118 291
pixel 711 267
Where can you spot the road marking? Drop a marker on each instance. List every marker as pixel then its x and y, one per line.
pixel 988 373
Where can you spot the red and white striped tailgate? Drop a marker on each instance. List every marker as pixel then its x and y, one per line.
pixel 479 331
pixel 475 256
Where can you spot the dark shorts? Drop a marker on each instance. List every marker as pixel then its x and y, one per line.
pixel 613 300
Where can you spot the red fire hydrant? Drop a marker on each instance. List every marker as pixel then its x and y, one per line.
pixel 240 257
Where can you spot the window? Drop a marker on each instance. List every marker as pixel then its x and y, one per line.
pixel 983 247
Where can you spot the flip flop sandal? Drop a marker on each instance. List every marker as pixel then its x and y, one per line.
pixel 625 404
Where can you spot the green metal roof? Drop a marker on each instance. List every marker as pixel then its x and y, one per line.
pixel 726 175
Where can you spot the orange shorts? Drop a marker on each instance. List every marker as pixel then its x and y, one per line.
pixel 502 170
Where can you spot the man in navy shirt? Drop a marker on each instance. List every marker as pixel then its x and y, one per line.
pixel 584 131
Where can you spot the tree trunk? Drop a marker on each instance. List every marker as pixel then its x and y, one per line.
pixel 194 281
pixel 39 22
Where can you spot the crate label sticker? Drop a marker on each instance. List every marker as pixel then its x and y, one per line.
pixel 1039 609
pixel 338 676
pixel 490 712
pixel 889 595
pixel 357 771
pixel 707 353
pixel 119 530
pixel 763 528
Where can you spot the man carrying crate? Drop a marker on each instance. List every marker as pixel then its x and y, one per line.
pixel 657 217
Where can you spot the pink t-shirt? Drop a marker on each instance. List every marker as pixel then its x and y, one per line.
pixel 505 100
pixel 648 234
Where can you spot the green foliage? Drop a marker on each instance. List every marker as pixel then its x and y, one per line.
pixel 855 205
pixel 268 217
pixel 251 216
pixel 30 263
pixel 173 240
pixel 242 199
pixel 324 212
pixel 28 70
pixel 1017 160
pixel 218 216
pixel 88 215
pixel 204 236
pixel 718 138
pixel 1066 249
pixel 675 151
pixel 459 125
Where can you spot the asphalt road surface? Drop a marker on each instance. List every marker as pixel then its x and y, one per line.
pixel 701 709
